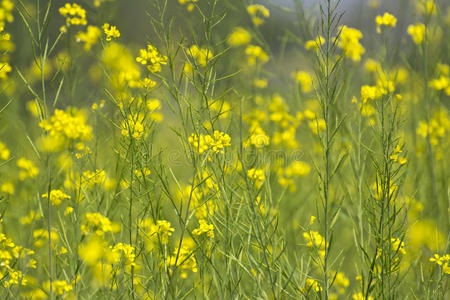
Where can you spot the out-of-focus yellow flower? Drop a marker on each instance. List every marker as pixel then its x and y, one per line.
pixel 315 44
pixel 304 79
pixel 7 188
pixel 256 54
pixel 27 169
pixel 349 43
pixel 239 37
pixel 204 227
pixel 311 285
pixel 258 12
pixel 56 197
pixel 417 32
pixel 189 4
pixel 387 20
pixel 4 152
pixel 89 38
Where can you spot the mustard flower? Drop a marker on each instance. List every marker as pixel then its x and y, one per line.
pixel 304 79
pixel 190 4
pixel 110 31
pixel 360 296
pixel 311 285
pixel 257 176
pixel 98 224
pixel 239 37
pixel 89 38
pixel 4 152
pixel 134 126
pixel 56 197
pixel 27 169
pixel 201 55
pixel 60 287
pixel 315 44
pixel 204 227
pixel 70 125
pixel 162 230
pixel 152 59
pixel 6 13
pixel 256 54
pixel 387 20
pixel 349 43
pixel 74 14
pixel 5 68
pixel 183 257
pixel 258 12
pixel 417 32
pixel 7 188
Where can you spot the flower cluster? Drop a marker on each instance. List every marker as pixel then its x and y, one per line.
pixel 98 224
pixel 215 143
pixel 74 14
pixel 151 58
pixel 255 54
pixel 56 197
pixel 258 12
pixel 387 20
pixel 239 37
pixel 349 43
pixel 110 31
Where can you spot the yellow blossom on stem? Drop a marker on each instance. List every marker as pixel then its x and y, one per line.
pixel 89 38
pixel 56 197
pixel 110 31
pixel 74 14
pixel 239 37
pixel 349 43
pixel 204 227
pixel 387 20
pixel 258 12
pixel 417 32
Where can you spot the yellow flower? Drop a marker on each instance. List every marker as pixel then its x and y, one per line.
pixel 311 285
pixel 161 230
pixel 315 44
pixel 89 38
pixel 4 152
pixel 256 54
pixel 110 31
pixel 134 127
pixel 201 55
pixel 190 4
pixel 183 257
pixel 69 125
pixel 349 43
pixel 204 227
pixel 7 188
pixel 258 12
pixel 216 143
pixel 56 197
pixel 239 37
pixel 152 59
pixel 417 32
pixel 257 176
pixel 60 287
pixel 75 14
pixel 387 20
pixel 360 296
pixel 27 169
pixel 98 224
pixel 304 79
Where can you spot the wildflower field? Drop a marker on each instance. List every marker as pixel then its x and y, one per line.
pixel 224 149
